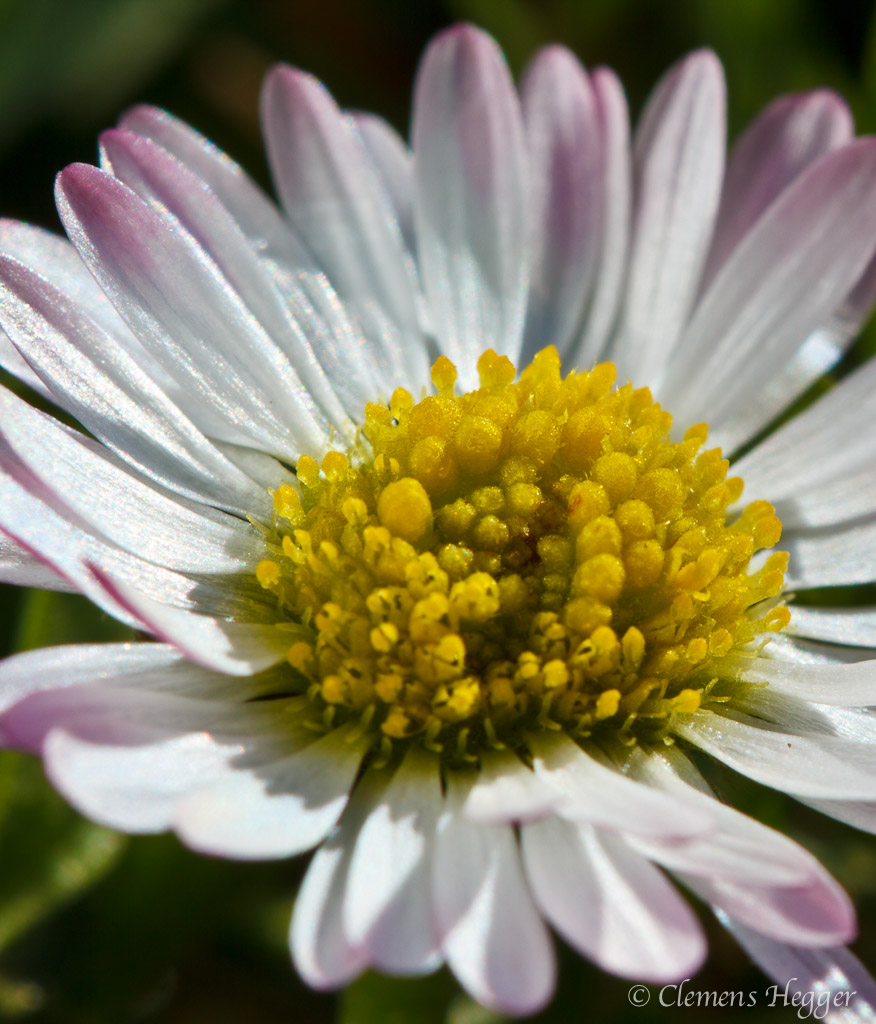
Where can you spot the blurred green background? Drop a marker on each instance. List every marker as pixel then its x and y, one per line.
pixel 95 927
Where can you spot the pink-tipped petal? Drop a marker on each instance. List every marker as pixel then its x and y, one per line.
pixel 813 915
pixel 565 169
pixel 105 713
pixel 679 165
pixel 334 201
pixel 320 949
pixel 616 191
pixel 311 300
pixel 152 666
pixel 235 648
pixel 812 766
pixel 87 483
pixel 276 809
pixel 470 203
pixel 105 388
pixel 783 140
pixel 591 791
pixel 167 184
pixel 133 780
pixel 258 217
pixel 394 165
pixel 23 569
pixel 832 980
pixel 739 849
pixel 58 262
pixel 55 668
pixel 610 903
pixel 786 277
pixel 173 296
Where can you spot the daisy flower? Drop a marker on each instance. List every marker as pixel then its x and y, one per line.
pixel 436 586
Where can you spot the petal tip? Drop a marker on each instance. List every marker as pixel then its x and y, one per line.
pixel 464 44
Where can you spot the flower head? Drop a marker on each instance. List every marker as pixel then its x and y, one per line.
pixel 413 487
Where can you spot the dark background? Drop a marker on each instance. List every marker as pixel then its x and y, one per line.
pixel 96 928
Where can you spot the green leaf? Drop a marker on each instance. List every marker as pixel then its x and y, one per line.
pixel 48 852
pixel 376 999
pixel 47 617
pixel 84 58
pixel 464 1010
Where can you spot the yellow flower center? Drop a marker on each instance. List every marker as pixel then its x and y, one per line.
pixel 536 553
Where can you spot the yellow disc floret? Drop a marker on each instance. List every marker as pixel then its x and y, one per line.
pixel 536 553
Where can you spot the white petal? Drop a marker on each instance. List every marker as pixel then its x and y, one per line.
pixel 783 140
pixel 834 556
pixel 125 510
pixel 616 214
pixel 851 685
pixel 110 715
pixel 148 666
pixel 824 503
pixel 173 296
pixel 506 790
pixel 29 516
pixel 816 915
pixel 276 810
pixel 40 531
pixel 786 277
pixel 857 813
pixel 322 954
pixel 312 302
pixel 387 907
pixel 794 714
pixel 830 439
pixel 19 567
pixel 14 363
pixel 169 186
pixel 603 796
pixel 103 387
pixel 264 469
pixel 820 351
pixel 54 667
pixel 134 785
pixel 53 257
pixel 236 648
pixel 470 197
pixel 788 647
pixel 325 181
pixel 493 938
pixel 562 136
pixel 679 163
pixel 739 849
pixel 835 982
pixel 257 216
pixel 610 903
pixel 822 766
pixel 849 318
pixel 394 164
pixel 343 351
